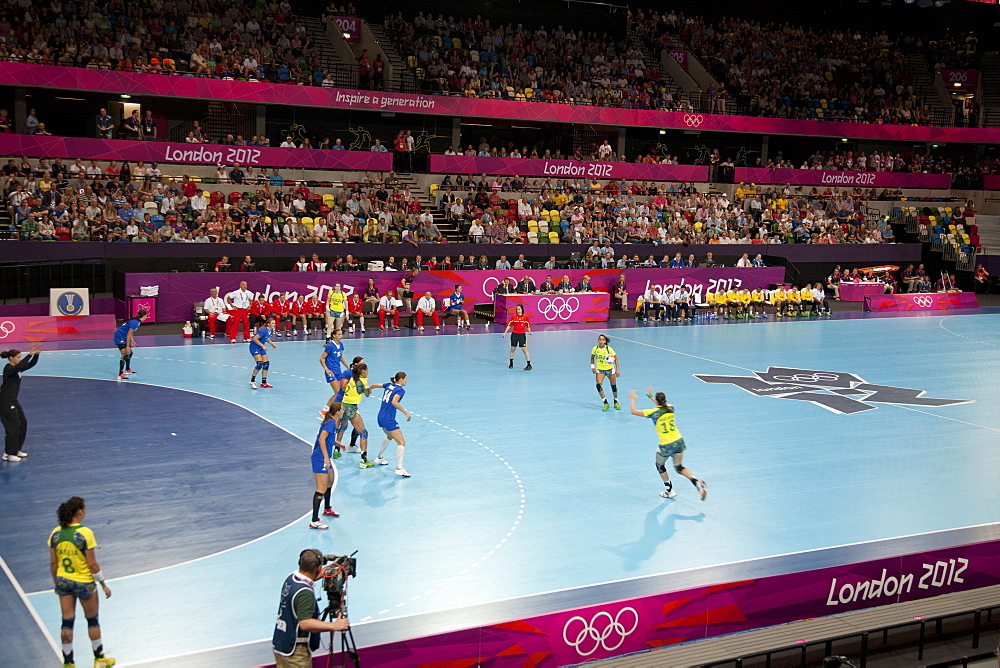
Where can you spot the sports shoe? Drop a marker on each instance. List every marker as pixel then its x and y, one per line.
pixel 266 384
pixel 511 365
pixel 668 494
pixel 330 512
pixel 402 472
pixel 618 406
pixel 104 662
pixel 395 328
pixel 381 461
pixel 131 372
pixel 253 385
pixel 246 340
pixel 528 368
pixel 437 328
pixel 606 407
pixel 366 465
pixel 211 336
pixel 337 454
pixel 702 490
pixel 362 330
pixel 21 454
pixel 317 525
pixel 354 448
pixel 123 376
pixel 11 458
pixel 420 329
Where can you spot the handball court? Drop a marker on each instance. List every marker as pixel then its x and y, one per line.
pixel 525 497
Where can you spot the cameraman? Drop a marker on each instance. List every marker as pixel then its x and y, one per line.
pixel 297 631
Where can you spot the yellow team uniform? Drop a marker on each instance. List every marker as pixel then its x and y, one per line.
pixel 70 544
pixel 666 429
pixel 604 358
pixel 351 394
pixel 336 302
pixel 757 296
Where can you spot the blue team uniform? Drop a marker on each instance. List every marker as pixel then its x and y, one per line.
pixel 263 335
pixel 334 368
pixel 456 302
pixel 386 411
pixel 121 334
pixel 330 427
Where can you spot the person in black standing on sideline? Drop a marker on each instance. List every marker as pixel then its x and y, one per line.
pixel 11 413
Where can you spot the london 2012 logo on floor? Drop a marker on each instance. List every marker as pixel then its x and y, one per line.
pixel 836 391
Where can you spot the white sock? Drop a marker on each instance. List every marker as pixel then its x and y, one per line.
pixel 67 648
pixel 385 444
pixel 97 646
pixel 399 456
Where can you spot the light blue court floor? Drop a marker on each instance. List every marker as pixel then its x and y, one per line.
pixel 198 488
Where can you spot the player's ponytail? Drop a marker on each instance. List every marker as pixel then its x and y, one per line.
pixel 141 314
pixel 399 376
pixel 661 399
pixel 356 370
pixel 68 510
pixel 7 354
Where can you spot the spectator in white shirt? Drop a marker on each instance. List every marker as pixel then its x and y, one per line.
pixel 214 307
pixel 744 261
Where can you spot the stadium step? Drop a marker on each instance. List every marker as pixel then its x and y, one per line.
pixel 343 73
pixel 407 81
pixel 923 86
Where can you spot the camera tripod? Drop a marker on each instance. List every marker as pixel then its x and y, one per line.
pixel 348 648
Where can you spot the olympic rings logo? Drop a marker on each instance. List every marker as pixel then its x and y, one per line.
pixel 601 631
pixel 817 378
pixel 489 287
pixel 693 120
pixel 923 301
pixel 562 308
pixel 6 328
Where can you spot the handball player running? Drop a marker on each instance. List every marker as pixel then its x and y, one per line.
pixel 604 363
pixel 125 340
pixel 519 339
pixel 259 353
pixel 671 444
pixel 323 467
pixel 392 392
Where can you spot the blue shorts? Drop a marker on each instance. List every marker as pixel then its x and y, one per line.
pixel 336 314
pixel 388 426
pixel 318 465
pixel 81 590
pixel 257 350
pixel 671 449
pixel 331 375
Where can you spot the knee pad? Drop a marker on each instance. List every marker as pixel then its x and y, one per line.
pixel 661 469
pixel 342 428
pixel 92 622
pixel 258 366
pixel 265 366
pixel 600 388
pixel 614 388
pixel 363 434
pixel 679 468
pixel 67 623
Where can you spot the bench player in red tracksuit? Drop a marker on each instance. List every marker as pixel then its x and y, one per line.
pixel 281 311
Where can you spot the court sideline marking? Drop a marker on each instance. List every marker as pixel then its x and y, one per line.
pixel 31 609
pixel 743 368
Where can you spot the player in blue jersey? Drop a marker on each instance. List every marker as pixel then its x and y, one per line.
pixel 259 352
pixel 125 340
pixel 336 371
pixel 456 307
pixel 392 393
pixel 322 465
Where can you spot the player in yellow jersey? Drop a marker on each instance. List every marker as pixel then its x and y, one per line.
pixel 780 300
pixel 808 303
pixel 733 304
pixel 336 310
pixel 757 303
pixel 793 306
pixel 744 296
pixel 75 573
pixel 604 363
pixel 671 443
pixel 357 388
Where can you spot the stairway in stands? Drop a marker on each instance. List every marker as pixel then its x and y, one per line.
pixel 405 80
pixel 652 60
pixel 923 86
pixel 448 229
pixel 989 234
pixel 990 77
pixel 344 74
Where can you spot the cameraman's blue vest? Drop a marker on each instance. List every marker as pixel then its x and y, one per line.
pixel 286 629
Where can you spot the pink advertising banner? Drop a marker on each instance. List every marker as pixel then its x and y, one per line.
pixel 554 309
pixel 823 177
pixel 564 169
pixel 680 56
pixel 62 328
pixel 632 625
pixel 179 291
pixel 75 78
pixel 350 26
pixel 935 301
pixel 196 154
pixel 991 182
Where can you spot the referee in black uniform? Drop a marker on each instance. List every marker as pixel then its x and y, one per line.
pixel 11 413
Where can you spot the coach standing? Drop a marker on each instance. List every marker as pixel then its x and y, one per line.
pixel 11 414
pixel 238 302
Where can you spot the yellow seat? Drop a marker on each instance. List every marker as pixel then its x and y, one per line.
pixel 456 43
pixel 553 237
pixel 533 226
pixel 206 194
pixel 308 222
pixel 329 200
